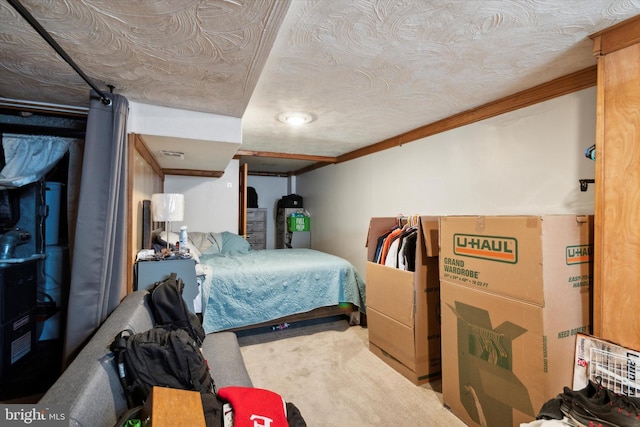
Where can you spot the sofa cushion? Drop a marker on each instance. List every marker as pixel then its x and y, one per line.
pixel 90 387
pixel 222 351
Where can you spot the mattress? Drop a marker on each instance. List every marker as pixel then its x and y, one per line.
pixel 255 287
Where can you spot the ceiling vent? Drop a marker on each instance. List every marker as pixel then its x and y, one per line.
pixel 175 154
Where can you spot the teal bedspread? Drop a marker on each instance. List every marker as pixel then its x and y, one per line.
pixel 247 289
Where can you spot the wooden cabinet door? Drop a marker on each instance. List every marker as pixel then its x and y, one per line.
pixel 616 299
pixel 242 209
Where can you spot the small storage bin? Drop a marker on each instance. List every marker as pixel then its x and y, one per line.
pixel 299 222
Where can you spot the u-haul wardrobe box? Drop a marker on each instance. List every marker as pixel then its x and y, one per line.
pixel 402 306
pixel 515 291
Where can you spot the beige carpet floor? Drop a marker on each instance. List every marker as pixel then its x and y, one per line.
pixel 328 372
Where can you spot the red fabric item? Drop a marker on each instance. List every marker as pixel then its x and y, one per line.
pixel 255 407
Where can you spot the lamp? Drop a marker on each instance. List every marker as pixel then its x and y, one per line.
pixel 167 207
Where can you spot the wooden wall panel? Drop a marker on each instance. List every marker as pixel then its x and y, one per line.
pixel 145 178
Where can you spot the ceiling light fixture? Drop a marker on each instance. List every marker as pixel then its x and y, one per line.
pixel 295 118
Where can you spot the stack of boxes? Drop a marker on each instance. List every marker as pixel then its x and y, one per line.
pixel 502 298
pixel 514 294
pixel 402 306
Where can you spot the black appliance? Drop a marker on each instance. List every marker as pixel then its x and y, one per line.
pixel 22 244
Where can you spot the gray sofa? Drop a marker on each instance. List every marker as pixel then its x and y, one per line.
pixel 90 389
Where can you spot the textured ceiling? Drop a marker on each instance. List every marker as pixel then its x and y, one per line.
pixel 365 70
pixel 195 55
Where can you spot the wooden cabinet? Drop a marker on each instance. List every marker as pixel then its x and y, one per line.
pixel 616 299
pixel 257 228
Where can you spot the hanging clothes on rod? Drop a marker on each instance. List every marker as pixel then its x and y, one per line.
pixel 407 221
pixel 396 247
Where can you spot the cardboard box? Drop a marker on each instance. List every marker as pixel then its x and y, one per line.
pixel 505 358
pixel 512 304
pixel 523 257
pixel 402 306
pixel 614 366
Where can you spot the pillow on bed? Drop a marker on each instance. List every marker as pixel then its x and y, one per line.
pixel 226 243
pixel 234 244
pixel 200 240
pixel 214 241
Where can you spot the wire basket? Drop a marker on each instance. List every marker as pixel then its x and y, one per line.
pixel 617 372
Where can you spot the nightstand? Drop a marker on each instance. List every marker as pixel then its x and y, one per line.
pixel 147 273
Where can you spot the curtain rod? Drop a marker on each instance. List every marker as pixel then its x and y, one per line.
pixel 43 107
pixel 47 37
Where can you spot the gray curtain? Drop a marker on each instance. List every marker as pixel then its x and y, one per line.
pixel 98 270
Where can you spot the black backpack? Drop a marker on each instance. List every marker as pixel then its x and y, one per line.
pixel 167 355
pixel 290 201
pixel 252 197
pixel 161 356
pixel 169 308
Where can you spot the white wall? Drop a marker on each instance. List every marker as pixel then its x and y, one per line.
pixel 524 162
pixel 270 190
pixel 171 122
pixel 211 204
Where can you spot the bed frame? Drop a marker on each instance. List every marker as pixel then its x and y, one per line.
pixel 349 310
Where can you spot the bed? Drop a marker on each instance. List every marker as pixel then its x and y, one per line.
pixel 241 288
pixel 258 286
